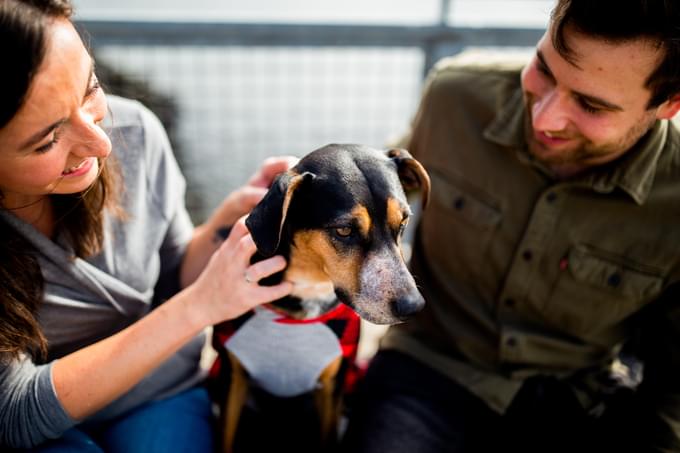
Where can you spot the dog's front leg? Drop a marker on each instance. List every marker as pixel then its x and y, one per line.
pixel 327 403
pixel 236 398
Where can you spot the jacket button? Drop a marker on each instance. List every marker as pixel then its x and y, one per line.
pixel 527 255
pixel 614 280
pixel 459 203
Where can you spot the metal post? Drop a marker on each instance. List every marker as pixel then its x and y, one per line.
pixel 445 8
pixel 431 47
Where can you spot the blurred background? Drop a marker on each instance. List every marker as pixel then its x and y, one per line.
pixel 235 81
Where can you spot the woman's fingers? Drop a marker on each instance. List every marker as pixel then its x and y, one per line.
pixel 251 196
pixel 256 272
pixel 271 167
pixel 231 281
pixel 238 231
pixel 264 294
pixel 247 197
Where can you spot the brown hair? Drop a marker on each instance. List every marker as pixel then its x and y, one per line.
pixel 615 21
pixel 23 25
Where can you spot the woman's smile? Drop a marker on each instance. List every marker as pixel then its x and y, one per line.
pixel 80 169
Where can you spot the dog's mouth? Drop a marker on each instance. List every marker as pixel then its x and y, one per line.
pixel 376 313
pixel 381 317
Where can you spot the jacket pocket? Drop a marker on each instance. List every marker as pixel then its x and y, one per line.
pixel 625 278
pixel 463 204
pixel 599 289
pixel 458 227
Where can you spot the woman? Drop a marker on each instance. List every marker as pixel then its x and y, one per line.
pixel 94 235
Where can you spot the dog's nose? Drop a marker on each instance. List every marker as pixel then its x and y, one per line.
pixel 406 306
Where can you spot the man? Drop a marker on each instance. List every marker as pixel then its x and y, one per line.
pixel 550 255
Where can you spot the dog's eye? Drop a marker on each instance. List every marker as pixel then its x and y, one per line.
pixel 343 232
pixel 402 225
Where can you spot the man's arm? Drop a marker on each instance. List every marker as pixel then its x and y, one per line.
pixel 660 388
pixel 649 420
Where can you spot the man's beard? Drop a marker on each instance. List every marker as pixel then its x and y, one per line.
pixel 585 152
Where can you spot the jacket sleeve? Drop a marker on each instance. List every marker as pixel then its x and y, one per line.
pixel 648 420
pixel 30 412
pixel 660 388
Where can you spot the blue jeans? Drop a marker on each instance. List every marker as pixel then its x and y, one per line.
pixel 182 423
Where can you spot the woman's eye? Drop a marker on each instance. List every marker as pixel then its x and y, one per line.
pixel 343 232
pixel 93 89
pixel 47 146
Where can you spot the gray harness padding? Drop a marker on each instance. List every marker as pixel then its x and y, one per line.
pixel 285 359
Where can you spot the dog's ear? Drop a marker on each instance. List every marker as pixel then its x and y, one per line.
pixel 412 174
pixel 266 220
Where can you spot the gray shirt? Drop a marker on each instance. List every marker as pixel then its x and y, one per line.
pixel 86 300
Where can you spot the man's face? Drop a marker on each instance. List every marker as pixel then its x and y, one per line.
pixel 592 110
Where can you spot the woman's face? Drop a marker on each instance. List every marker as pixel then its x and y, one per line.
pixel 53 143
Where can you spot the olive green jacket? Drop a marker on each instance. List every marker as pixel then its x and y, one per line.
pixel 524 274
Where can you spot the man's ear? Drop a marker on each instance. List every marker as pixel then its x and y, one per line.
pixel 266 220
pixel 411 173
pixel 668 109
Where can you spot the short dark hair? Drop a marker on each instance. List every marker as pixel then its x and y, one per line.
pixel 619 21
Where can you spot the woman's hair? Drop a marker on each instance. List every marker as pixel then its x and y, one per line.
pixel 23 34
pixel 615 21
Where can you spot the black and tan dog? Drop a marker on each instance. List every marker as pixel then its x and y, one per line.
pixel 338 218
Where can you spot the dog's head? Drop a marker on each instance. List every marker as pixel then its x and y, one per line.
pixel 338 217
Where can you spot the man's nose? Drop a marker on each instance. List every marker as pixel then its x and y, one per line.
pixel 549 112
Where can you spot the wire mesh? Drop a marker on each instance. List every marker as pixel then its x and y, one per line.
pixel 237 105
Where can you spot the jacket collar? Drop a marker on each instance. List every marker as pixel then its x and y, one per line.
pixel 633 172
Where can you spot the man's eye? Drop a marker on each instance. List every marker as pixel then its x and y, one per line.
pixel 543 69
pixel 587 107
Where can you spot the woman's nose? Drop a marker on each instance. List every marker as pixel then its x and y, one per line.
pixel 89 138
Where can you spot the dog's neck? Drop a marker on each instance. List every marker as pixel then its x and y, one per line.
pixel 305 309
pixel 309 299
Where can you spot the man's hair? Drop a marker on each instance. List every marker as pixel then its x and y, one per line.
pixel 616 21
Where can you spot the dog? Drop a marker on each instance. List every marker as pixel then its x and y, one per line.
pixel 337 217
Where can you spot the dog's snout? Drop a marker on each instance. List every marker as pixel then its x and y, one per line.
pixel 407 306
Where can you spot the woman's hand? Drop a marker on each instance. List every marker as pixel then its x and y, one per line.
pixel 227 287
pixel 239 203
pixel 88 379
pixel 270 168
pixel 242 200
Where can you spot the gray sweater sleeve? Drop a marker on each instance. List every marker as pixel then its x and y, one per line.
pixel 30 412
